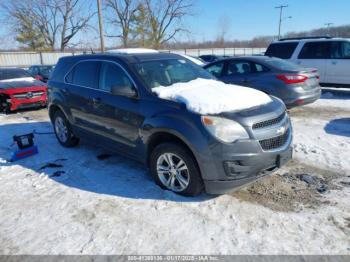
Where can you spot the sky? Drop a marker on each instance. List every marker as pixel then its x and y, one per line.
pixel 245 18
pixel 250 18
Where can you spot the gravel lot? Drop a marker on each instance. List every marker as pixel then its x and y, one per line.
pixel 84 205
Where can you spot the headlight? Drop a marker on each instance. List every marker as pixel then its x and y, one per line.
pixel 224 129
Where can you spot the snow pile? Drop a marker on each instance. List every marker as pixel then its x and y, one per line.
pixel 205 96
pixel 30 79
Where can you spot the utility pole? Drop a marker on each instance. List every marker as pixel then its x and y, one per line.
pixel 280 21
pixel 100 23
pixel 328 25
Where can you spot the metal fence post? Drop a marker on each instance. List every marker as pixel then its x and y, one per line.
pixel 41 58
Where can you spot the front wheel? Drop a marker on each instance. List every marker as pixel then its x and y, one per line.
pixel 175 169
pixel 63 130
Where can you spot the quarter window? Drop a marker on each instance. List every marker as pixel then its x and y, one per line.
pixel 315 50
pixel 84 74
pixel 113 76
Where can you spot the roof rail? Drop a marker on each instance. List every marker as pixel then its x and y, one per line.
pixel 306 37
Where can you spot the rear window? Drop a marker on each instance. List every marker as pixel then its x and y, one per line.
pixel 6 74
pixel 282 64
pixel 84 74
pixel 281 50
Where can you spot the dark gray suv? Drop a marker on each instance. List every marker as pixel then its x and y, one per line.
pixel 108 98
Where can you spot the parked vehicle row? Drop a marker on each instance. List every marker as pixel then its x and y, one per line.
pixel 331 56
pixel 293 84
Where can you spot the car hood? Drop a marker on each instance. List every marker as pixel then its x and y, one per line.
pixel 20 83
pixel 261 113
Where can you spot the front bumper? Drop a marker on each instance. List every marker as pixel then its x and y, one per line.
pixel 16 104
pixel 256 167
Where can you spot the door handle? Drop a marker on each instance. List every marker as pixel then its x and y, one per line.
pixel 334 62
pixel 96 101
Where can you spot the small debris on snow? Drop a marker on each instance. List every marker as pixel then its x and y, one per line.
pixel 103 156
pixel 57 173
pixel 50 165
pixel 318 183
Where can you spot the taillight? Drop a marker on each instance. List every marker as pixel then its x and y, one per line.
pixel 292 79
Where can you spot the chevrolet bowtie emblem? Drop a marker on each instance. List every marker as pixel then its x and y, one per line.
pixel 281 130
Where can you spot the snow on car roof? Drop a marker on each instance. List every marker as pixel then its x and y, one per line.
pixel 133 51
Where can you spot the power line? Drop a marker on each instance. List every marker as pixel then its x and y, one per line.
pixel 280 21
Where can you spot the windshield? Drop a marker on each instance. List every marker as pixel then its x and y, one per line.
pixel 282 64
pixel 6 74
pixel 46 70
pixel 170 71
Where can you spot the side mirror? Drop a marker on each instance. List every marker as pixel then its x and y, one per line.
pixel 123 90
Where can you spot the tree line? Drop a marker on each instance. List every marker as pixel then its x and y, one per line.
pixel 53 24
pixel 47 25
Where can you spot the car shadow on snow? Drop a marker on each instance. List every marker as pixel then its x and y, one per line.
pixel 81 168
pixel 333 93
pixel 340 127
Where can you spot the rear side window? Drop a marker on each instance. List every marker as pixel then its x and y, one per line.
pixel 84 74
pixel 238 68
pixel 315 50
pixel 281 50
pixel 340 50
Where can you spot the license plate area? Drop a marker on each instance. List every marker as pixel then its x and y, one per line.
pixel 284 158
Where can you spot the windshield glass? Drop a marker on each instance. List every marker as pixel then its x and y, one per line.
pixel 46 70
pixel 6 74
pixel 169 71
pixel 282 64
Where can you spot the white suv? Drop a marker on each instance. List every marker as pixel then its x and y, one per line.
pixel 331 56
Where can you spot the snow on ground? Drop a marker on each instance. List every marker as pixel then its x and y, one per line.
pixel 112 206
pixel 207 96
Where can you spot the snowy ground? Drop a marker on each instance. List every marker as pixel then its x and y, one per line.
pixel 111 206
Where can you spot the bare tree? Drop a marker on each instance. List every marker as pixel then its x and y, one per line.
pixel 57 21
pixel 123 16
pixel 224 26
pixel 165 17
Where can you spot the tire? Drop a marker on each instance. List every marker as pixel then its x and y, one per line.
pixel 182 178
pixel 61 125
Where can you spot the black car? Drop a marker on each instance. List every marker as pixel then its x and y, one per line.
pixel 294 85
pixel 108 99
pixel 41 72
pixel 210 58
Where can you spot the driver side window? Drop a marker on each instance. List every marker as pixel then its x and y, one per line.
pixel 216 69
pixel 112 75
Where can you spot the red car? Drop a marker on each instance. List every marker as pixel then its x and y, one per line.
pixel 18 89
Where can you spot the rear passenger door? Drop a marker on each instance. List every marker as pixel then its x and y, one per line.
pixel 83 87
pixel 315 55
pixel 338 66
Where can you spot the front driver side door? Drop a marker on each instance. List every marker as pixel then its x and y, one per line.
pixel 118 117
pixel 236 72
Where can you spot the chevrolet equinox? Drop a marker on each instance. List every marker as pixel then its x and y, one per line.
pixel 108 98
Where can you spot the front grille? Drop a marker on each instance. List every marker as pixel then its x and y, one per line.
pixel 269 122
pixel 29 95
pixel 275 142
